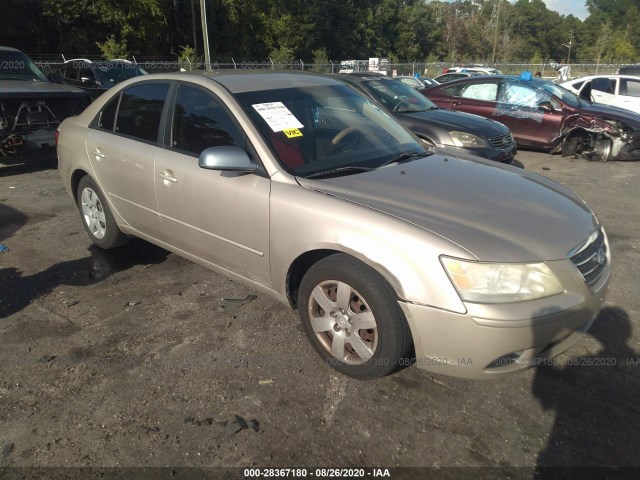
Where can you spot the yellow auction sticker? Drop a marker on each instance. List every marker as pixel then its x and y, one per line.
pixel 292 132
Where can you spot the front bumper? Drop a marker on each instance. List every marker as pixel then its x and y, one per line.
pixel 494 340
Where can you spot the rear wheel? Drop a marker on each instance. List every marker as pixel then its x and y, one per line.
pixel 96 216
pixel 352 318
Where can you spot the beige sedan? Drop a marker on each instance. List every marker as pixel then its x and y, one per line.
pixel 298 186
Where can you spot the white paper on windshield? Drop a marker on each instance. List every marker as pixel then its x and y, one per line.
pixel 277 116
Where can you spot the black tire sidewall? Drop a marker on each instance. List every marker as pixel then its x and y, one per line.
pixel 393 336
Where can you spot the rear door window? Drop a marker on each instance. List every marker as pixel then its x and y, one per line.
pixel 480 91
pixel 606 85
pixel 140 111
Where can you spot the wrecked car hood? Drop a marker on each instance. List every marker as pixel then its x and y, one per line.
pixel 23 88
pixel 610 112
pixel 496 212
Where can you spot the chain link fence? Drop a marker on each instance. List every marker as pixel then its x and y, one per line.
pixel 49 63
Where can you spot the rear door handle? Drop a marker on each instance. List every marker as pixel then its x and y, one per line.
pixel 168 177
pixel 98 153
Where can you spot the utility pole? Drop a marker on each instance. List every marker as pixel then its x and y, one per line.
pixel 569 46
pixel 495 35
pixel 193 27
pixel 205 34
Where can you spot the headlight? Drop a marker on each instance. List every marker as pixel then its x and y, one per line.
pixel 501 282
pixel 467 140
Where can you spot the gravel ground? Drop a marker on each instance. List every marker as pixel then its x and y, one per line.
pixel 134 358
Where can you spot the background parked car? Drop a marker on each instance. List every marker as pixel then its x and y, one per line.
pixel 417 82
pixel 437 126
pixel 448 77
pixel 31 108
pixel 475 69
pixel 629 70
pixel 299 186
pixel 96 76
pixel 545 116
pixel 619 90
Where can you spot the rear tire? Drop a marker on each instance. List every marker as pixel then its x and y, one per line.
pixel 96 216
pixel 352 318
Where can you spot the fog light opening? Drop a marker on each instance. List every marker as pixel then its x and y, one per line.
pixel 508 360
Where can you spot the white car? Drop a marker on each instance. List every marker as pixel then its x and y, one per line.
pixel 617 90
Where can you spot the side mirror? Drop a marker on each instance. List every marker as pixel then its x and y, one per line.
pixel 546 106
pixel 228 159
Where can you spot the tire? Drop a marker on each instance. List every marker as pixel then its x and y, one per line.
pixel 96 216
pixel 340 293
pixel 603 149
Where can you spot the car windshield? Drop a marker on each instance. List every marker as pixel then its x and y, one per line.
pixel 17 66
pixel 398 97
pixel 565 95
pixel 329 129
pixel 117 72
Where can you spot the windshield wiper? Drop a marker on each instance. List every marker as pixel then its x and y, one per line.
pixel 404 157
pixel 339 171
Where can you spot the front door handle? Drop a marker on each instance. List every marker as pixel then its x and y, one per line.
pixel 167 176
pixel 455 102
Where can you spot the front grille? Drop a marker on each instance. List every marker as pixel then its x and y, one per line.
pixel 502 142
pixel 592 260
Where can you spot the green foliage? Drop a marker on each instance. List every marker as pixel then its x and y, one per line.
pixel 111 48
pixel 407 30
pixel 188 59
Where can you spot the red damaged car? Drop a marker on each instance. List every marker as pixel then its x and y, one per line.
pixel 544 116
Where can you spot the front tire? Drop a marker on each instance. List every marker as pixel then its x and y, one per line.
pixel 96 216
pixel 352 318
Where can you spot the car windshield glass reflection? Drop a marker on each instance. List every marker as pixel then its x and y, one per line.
pixel 315 129
pixel 17 66
pixel 117 72
pixel 398 97
pixel 565 95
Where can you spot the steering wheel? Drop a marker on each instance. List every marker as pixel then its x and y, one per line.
pixel 341 138
pixel 397 106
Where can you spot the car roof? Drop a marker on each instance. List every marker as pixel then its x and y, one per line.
pixel 239 81
pixel 483 78
pixel 9 49
pixel 603 75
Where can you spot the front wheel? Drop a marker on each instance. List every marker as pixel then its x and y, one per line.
pixel 603 149
pixel 352 318
pixel 96 216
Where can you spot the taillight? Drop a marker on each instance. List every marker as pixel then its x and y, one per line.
pixel 57 135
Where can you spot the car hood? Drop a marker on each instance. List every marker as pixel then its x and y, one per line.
pixel 458 121
pixel 496 212
pixel 613 113
pixel 23 88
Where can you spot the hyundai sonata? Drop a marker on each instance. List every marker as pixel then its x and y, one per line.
pixel 302 188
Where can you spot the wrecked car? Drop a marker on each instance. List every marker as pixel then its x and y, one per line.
pixel 544 116
pixel 31 109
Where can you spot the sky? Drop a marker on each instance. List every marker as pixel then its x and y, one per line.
pixel 578 8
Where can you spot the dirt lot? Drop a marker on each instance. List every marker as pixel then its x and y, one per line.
pixel 134 358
